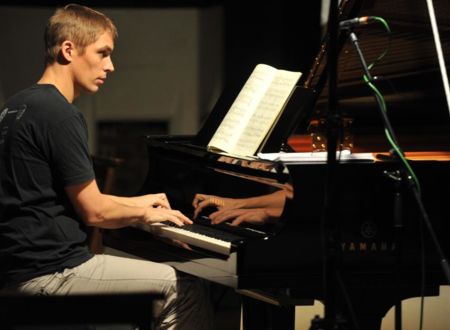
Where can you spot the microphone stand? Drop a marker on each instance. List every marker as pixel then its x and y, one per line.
pixel 329 228
pixel 396 177
pixel 409 183
pixel 330 247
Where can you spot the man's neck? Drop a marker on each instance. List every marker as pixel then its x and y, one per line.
pixel 59 77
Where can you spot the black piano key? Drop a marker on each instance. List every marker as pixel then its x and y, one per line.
pixel 237 230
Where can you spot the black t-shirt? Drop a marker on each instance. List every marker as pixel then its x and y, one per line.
pixel 43 148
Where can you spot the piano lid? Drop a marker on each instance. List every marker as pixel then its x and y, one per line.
pixel 409 74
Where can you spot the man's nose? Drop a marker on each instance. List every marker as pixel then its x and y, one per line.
pixel 109 66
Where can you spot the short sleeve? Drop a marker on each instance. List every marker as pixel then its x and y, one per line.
pixel 69 152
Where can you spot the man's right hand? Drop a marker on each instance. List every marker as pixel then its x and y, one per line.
pixel 159 214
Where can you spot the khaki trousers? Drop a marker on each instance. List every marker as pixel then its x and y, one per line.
pixel 186 304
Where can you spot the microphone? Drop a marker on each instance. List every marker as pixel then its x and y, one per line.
pixel 357 21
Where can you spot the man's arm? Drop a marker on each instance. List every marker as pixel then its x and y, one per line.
pixel 154 200
pixel 106 211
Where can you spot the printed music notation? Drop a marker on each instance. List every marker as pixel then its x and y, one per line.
pixel 255 111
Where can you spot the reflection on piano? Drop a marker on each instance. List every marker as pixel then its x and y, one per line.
pixel 281 263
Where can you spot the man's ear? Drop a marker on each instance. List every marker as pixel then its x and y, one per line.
pixel 67 50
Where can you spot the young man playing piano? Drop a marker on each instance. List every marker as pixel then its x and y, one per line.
pixel 49 195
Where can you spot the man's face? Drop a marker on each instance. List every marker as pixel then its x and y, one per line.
pixel 91 67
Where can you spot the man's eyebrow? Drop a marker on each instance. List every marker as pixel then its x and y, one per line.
pixel 106 48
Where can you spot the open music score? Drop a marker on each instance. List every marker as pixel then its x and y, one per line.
pixel 255 111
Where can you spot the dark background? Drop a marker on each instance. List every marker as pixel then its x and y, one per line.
pixel 284 34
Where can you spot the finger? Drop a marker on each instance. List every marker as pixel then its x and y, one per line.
pixel 237 222
pixel 174 216
pixel 167 204
pixel 218 214
pixel 160 196
pixel 197 199
pixel 214 215
pixel 240 219
pixel 187 221
pixel 174 220
pixel 199 209
pixel 196 212
pixel 164 200
pixel 200 206
pixel 184 219
pixel 159 200
pixel 162 203
pixel 225 216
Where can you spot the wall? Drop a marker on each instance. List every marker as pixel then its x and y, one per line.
pixel 168 63
pixel 168 75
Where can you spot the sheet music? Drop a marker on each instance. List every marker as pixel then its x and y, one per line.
pixel 254 111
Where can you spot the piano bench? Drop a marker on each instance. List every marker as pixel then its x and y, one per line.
pixel 76 311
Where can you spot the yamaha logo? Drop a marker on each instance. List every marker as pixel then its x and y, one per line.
pixel 369 232
pixel 369 229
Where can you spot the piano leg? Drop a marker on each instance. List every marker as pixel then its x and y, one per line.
pixel 258 315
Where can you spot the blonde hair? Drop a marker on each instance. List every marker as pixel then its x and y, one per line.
pixel 79 24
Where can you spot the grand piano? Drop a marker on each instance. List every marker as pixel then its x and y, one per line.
pixel 383 252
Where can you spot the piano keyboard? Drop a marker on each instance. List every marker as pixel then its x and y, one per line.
pixel 242 230
pixel 200 236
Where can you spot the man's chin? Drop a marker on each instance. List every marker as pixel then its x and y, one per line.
pixel 91 90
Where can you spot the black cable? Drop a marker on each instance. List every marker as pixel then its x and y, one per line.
pixel 423 212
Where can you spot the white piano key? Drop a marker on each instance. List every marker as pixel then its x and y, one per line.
pixel 188 237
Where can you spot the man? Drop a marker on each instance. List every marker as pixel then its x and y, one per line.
pixel 48 192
